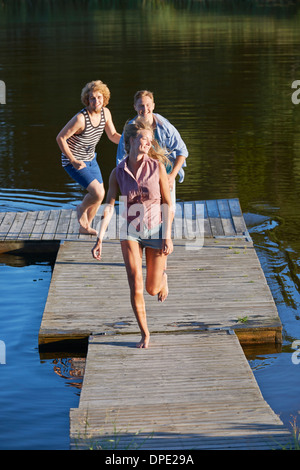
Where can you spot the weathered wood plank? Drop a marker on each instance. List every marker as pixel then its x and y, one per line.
pixel 50 228
pixel 226 218
pixel 193 220
pixel 73 230
pixel 63 224
pixel 28 226
pixel 181 393
pixel 40 225
pixel 212 287
pixel 214 218
pixel 16 226
pixel 2 215
pixel 6 223
pixel 205 224
pixel 239 222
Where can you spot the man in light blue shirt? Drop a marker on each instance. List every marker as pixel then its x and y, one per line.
pixel 166 135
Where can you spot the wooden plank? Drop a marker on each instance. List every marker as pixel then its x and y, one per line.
pixel 237 216
pixel 212 287
pixel 148 400
pixel 202 211
pixel 16 226
pixel 73 229
pixel 225 214
pixel 178 221
pixel 2 215
pixel 28 226
pixel 221 218
pixel 115 429
pixel 214 218
pixel 200 218
pixel 63 224
pixel 6 223
pixel 50 228
pixel 40 225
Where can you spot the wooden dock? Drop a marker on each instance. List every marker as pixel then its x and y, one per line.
pixel 218 286
pixel 187 391
pixel 220 218
pixel 193 387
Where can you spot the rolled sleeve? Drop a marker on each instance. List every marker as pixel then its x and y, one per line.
pixel 170 138
pixel 120 150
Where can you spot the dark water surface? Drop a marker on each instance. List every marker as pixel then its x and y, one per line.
pixel 223 76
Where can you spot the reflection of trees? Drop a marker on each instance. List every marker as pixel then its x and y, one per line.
pixel 71 369
pixel 220 72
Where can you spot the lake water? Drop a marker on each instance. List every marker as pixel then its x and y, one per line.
pixel 223 77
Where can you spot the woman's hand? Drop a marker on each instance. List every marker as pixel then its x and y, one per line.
pixel 97 250
pixel 167 246
pixel 78 164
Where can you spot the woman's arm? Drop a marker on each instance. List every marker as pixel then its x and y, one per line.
pixel 110 129
pixel 107 214
pixel 74 126
pixel 167 209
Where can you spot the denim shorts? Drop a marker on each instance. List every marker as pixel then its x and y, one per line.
pixel 87 174
pixel 148 238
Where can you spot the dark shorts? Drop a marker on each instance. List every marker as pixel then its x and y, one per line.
pixel 86 175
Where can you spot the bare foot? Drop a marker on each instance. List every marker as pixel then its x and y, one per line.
pixel 144 343
pixel 84 228
pixel 163 294
pixel 81 217
pixel 88 231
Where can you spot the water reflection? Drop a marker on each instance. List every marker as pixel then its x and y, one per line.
pixel 71 370
pixel 223 79
pixel 33 398
pixel 19 200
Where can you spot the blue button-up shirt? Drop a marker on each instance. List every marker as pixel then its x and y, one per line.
pixel 167 136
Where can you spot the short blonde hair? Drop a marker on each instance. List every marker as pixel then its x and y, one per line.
pixel 95 85
pixel 141 93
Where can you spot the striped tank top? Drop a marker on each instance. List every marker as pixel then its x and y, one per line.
pixel 83 145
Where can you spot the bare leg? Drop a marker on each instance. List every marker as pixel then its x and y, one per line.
pixel 156 280
pixel 87 210
pixel 132 254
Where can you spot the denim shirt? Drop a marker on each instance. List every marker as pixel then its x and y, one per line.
pixel 167 136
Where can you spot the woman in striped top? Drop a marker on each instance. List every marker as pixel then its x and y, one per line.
pixel 78 140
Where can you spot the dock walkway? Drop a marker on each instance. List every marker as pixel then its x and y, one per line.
pixel 217 218
pixel 187 391
pixel 193 387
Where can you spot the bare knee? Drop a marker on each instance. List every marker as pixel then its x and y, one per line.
pixel 97 192
pixel 152 289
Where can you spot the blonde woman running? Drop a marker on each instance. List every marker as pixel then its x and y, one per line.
pixel 143 181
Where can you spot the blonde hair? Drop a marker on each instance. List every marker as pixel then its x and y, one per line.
pixel 95 85
pixel 141 93
pixel 131 129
